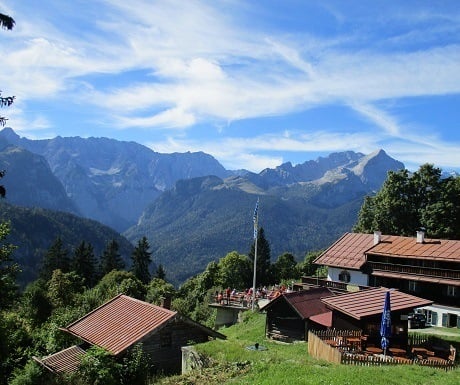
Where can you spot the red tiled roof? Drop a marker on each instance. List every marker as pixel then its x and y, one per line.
pixel 407 247
pixel 324 319
pixel 65 361
pixel 305 302
pixel 347 252
pixel 351 249
pixel 370 302
pixel 119 323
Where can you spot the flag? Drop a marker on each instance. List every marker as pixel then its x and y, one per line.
pixel 255 219
pixel 385 323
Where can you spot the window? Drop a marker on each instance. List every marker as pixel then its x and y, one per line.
pixel 344 276
pixel 429 317
pixel 413 286
pixel 452 291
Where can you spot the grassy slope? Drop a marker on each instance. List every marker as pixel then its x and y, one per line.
pixel 290 364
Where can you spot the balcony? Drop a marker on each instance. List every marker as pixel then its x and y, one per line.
pixel 322 282
pixel 415 270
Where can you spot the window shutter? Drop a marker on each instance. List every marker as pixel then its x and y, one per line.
pixel 444 319
pixel 434 318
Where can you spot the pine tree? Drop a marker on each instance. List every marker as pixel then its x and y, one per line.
pixel 57 257
pixel 263 269
pixel 141 260
pixel 160 273
pixel 84 263
pixel 111 258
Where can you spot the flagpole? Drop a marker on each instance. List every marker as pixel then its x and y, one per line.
pixel 256 235
pixel 254 276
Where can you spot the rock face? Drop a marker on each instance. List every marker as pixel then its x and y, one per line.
pixel 190 208
pixel 112 181
pixel 30 182
pixel 302 208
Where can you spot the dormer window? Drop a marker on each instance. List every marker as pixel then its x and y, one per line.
pixel 344 276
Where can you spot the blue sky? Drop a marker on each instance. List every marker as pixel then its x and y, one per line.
pixel 253 83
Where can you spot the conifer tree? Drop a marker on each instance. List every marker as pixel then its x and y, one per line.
pixel 84 263
pixel 57 257
pixel 160 273
pixel 111 258
pixel 141 260
pixel 263 270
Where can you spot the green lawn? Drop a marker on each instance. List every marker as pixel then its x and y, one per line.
pixel 290 364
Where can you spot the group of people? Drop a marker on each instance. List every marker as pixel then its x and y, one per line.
pixel 245 298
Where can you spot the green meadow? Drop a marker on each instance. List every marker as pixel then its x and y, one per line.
pixel 231 362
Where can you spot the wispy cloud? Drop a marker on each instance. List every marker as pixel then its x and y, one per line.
pixel 170 66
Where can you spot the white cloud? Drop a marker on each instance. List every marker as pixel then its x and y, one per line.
pixel 175 64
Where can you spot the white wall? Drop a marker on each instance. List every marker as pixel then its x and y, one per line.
pixel 356 277
pixel 435 314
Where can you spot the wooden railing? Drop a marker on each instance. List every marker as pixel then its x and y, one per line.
pixel 415 270
pixel 321 282
pixel 320 349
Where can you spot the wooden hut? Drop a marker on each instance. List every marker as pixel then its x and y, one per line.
pixel 122 322
pixel 362 310
pixel 289 316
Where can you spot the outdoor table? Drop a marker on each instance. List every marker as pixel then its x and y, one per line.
pixel 354 343
pixel 397 352
pixel 374 350
pixel 422 352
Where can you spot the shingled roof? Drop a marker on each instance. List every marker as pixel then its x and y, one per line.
pixel 370 302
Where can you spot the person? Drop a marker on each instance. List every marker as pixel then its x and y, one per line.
pixel 220 297
pixel 227 293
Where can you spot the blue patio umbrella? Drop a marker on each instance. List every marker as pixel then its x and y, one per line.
pixel 385 324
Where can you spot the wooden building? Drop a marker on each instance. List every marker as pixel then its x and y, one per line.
pixel 289 316
pixel 362 311
pixel 292 315
pixel 121 323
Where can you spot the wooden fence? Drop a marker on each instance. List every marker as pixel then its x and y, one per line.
pixel 319 348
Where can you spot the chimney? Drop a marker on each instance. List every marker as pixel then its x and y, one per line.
pixel 166 301
pixel 377 237
pixel 420 236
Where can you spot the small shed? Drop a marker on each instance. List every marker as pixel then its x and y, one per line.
pixel 290 315
pixel 124 321
pixel 362 310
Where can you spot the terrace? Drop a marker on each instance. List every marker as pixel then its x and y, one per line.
pixel 350 347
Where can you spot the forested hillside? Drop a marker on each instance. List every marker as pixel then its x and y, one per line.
pixel 202 219
pixel 33 231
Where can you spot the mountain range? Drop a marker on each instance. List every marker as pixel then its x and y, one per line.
pixel 188 205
